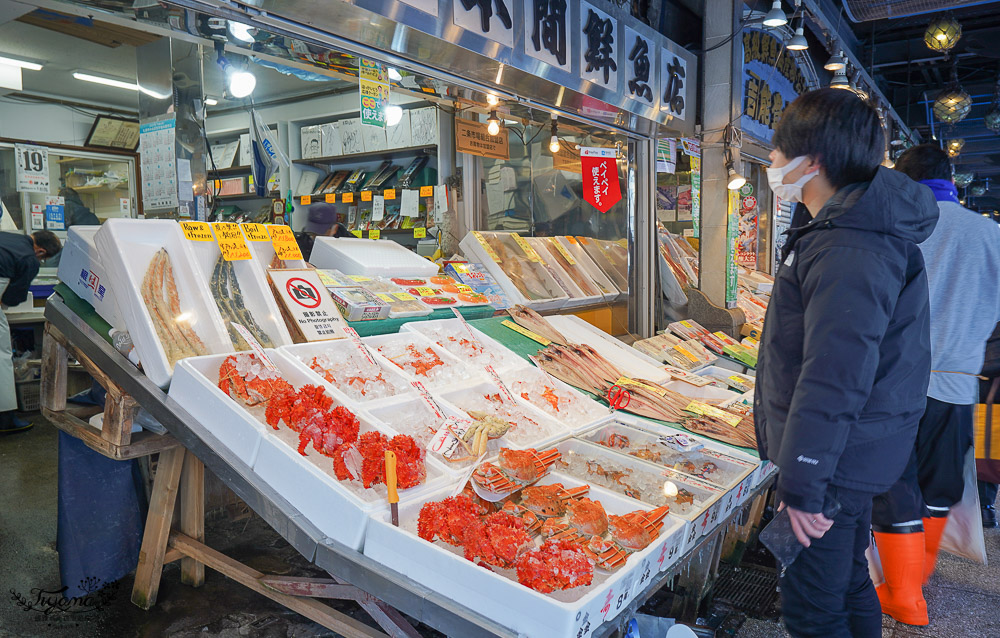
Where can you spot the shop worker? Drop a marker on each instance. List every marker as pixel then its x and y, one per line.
pixel 962 257
pixel 845 357
pixel 20 256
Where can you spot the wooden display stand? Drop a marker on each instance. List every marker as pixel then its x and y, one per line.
pixel 180 474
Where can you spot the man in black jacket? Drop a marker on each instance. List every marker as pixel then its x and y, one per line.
pixel 845 357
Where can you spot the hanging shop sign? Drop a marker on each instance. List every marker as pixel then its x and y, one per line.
pixel 732 237
pixel 771 81
pixel 32 168
pixel 474 138
pixel 545 32
pixel 566 159
pixel 746 246
pixel 674 76
pixel 600 177
pixel 695 196
pixel 373 84
pixel 639 68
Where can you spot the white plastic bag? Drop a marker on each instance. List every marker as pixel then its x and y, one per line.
pixel 267 155
pixel 963 534
pixel 874 562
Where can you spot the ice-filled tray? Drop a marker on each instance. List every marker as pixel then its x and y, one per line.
pixel 422 360
pixel 632 362
pixel 703 460
pixel 523 281
pixel 249 293
pixel 496 594
pixel 354 256
pixel 529 426
pixel 584 261
pixel 580 290
pixel 637 479
pixel 346 371
pixel 451 335
pixel 129 247
pixel 566 404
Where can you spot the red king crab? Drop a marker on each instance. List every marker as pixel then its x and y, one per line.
pixel 554 566
pixel 244 378
pixel 446 520
pixel 496 540
pixel 365 460
pixel 517 468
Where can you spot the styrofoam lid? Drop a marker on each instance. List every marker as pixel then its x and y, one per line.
pixel 354 256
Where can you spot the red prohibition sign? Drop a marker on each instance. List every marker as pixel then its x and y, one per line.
pixel 303 293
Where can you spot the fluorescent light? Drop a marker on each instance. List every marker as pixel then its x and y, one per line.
pixel 153 94
pixel 31 66
pixel 394 75
pixel 241 31
pixel 211 101
pixel 96 79
pixel 393 114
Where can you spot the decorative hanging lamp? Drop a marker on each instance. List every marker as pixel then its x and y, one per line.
pixel 963 179
pixel 954 147
pixel 992 117
pixel 942 34
pixel 953 104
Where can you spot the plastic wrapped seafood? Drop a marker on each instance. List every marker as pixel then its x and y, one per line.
pixel 526 427
pixel 159 293
pixel 403 304
pixel 686 355
pixel 530 277
pixel 562 257
pixel 595 251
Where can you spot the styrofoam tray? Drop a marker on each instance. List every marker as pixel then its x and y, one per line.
pixel 256 293
pixel 576 612
pixel 588 286
pixel 503 359
pixel 594 411
pixel 128 247
pixel 81 268
pixel 583 259
pixel 456 372
pixel 707 394
pixel 632 362
pixel 593 248
pixel 474 251
pixel 576 296
pixel 354 256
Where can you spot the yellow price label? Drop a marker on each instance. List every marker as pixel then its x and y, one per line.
pixel 330 198
pixel 426 292
pixel 565 253
pixel 306 200
pixel 625 381
pixel 427 191
pixel 366 196
pixel 255 232
pixel 526 247
pixel 356 233
pixel 622 242
pixel 584 241
pixel 285 246
pixel 464 289
pixel 704 409
pixel 403 296
pixel 384 297
pixel 359 278
pixel 419 232
pixel 389 193
pixel 687 354
pixel 197 231
pixel 489 249
pixel 231 242
pixel 524 331
pixel 347 198
pixel 374 233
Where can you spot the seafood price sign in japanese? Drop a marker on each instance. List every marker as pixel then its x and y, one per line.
pixel 600 177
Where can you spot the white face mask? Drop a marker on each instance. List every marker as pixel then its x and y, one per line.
pixel 791 192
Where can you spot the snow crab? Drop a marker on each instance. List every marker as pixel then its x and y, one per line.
pixel 707 468
pixel 246 379
pixel 550 500
pixel 586 518
pixel 517 468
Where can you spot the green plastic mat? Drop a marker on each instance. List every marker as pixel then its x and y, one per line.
pixel 84 310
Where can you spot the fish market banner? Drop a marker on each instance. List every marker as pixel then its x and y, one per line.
pixel 600 177
pixel 771 81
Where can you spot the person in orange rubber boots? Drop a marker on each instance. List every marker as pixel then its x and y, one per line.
pixel 962 257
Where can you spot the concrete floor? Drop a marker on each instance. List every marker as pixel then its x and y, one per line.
pixel 963 598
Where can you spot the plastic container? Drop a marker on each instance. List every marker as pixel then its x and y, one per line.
pixel 304 353
pixel 354 256
pixel 359 304
pixel 445 370
pixel 572 408
pixel 585 262
pixel 564 259
pixel 497 594
pixel 127 248
pixel 451 335
pixel 632 363
pixel 566 280
pixel 528 283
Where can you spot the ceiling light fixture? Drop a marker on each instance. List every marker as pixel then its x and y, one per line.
pixel 954 147
pixel 393 114
pixel 736 180
pixel 836 62
pixel 840 80
pixel 493 124
pixel 241 31
pixel 953 104
pixel 963 179
pixel 942 34
pixel 97 79
pixel 554 139
pixel 24 64
pixel 492 100
pixel 239 82
pixel 798 41
pixel 775 17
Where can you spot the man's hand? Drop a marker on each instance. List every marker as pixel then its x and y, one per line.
pixel 806 525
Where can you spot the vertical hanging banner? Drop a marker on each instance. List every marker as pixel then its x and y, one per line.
pixel 696 195
pixel 373 83
pixel 732 237
pixel 600 177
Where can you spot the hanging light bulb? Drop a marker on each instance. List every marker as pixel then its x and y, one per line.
pixel 493 124
pixel 942 34
pixel 492 100
pixel 775 17
pixel 953 104
pixel 554 139
pixel 840 80
pixel 240 82
pixel 836 62
pixel 798 41
pixel 954 147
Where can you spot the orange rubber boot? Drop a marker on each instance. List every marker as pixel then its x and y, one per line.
pixel 933 530
pixel 902 557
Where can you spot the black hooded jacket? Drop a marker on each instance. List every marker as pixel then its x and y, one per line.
pixel 845 358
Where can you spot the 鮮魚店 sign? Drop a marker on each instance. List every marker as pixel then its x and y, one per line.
pixel 473 138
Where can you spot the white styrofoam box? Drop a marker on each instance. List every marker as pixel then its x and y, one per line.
pixel 708 394
pixel 302 355
pixel 127 247
pixel 475 251
pixel 584 260
pixel 574 612
pixel 593 412
pixel 708 371
pixel 456 372
pixel 256 293
pixel 355 256
pixel 577 297
pixel 472 397
pixel 81 268
pixel 596 249
pixel 263 255
pixel 503 359
pixel 633 363
pixel 196 389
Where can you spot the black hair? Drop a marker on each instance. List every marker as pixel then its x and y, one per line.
pixel 838 129
pixel 47 241
pixel 926 161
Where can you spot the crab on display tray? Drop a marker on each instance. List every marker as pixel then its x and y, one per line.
pixel 477 350
pixel 421 360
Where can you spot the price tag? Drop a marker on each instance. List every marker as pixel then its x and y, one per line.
pixel 231 242
pixel 440 202
pixel 384 297
pixel 687 377
pixel 255 232
pixel 419 232
pixel 378 209
pixel 426 292
pixel 197 231
pixel 681 349
pixel 347 198
pixel 565 253
pixel 499 383
pixel 306 200
pixel 527 333
pixel 330 198
pixel 584 241
pixel 254 345
pixel 285 246
pixel 356 233
pixel 472 335
pixel 625 381
pixel 464 289
pixel 359 278
pixel 704 409
pixel 374 233
pixel 352 334
pixel 389 193
pixel 409 203
pixel 528 250
pixel 427 191
pixel 489 249
pixel 366 196
pixel 403 296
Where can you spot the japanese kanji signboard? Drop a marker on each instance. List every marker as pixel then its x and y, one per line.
pixel 599 50
pixel 473 138
pixel 640 67
pixel 770 83
pixel 545 32
pixel 489 18
pixel 600 177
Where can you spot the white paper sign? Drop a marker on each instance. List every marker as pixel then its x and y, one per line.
pixel 254 345
pixel 378 208
pixel 494 19
pixel 32 168
pixel 37 217
pixel 307 300
pixel 410 203
pixel 440 202
pixel 125 206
